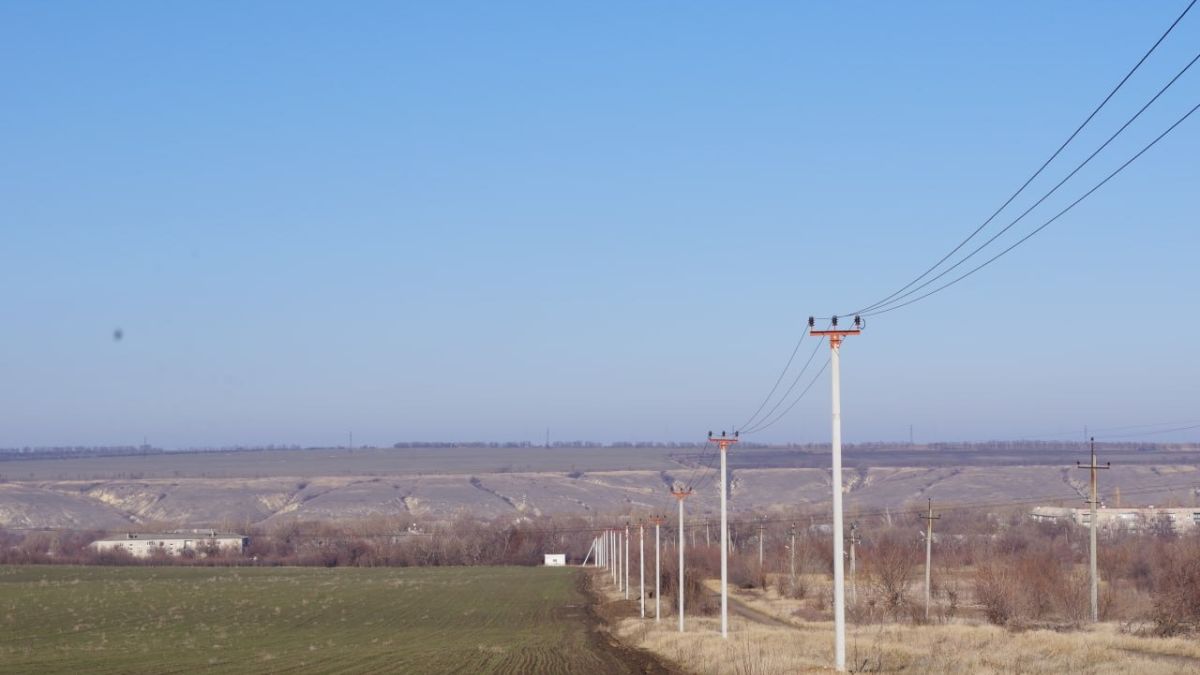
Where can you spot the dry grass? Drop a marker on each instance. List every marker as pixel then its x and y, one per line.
pixel 756 648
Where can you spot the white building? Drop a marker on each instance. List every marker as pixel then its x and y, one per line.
pixel 141 545
pixel 556 560
pixel 1135 518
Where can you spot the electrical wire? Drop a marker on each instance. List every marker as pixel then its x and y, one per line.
pixel 1153 433
pixel 1041 227
pixel 898 297
pixel 1041 168
pixel 790 389
pixel 778 380
pixel 783 414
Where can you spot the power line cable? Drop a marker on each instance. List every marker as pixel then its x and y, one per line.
pixel 1041 168
pixel 778 380
pixel 783 414
pixel 897 298
pixel 795 381
pixel 1022 240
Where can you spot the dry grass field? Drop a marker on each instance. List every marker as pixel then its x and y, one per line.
pixel 767 638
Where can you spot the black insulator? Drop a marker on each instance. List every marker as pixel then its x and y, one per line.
pixel 857 321
pixel 812 322
pixel 834 321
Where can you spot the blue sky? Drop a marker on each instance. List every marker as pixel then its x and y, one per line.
pixel 480 220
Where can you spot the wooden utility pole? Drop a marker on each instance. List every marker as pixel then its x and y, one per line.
pixel 836 337
pixel 723 442
pixel 929 518
pixel 1095 514
pixel 680 494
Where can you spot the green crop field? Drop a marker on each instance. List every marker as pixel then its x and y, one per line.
pixel 176 619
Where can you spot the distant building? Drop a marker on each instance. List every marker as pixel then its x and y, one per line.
pixel 142 545
pixel 556 559
pixel 1136 518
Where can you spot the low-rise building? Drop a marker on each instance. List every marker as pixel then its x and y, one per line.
pixel 1134 518
pixel 144 545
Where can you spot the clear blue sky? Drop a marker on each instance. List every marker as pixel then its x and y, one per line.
pixel 479 220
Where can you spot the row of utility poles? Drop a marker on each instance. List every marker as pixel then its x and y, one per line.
pixel 835 336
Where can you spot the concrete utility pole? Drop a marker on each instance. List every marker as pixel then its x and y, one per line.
pixel 839 572
pixel 793 552
pixel 680 494
pixel 760 544
pixel 626 561
pixel 853 566
pixel 928 518
pixel 658 521
pixel 1095 504
pixel 723 442
pixel 642 566
pixel 707 541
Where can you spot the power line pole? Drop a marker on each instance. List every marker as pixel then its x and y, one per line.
pixel 626 561
pixel 839 571
pixel 1095 503
pixel 853 566
pixel 723 442
pixel 707 540
pixel 928 518
pixel 658 521
pixel 642 565
pixel 680 494
pixel 793 552
pixel 760 544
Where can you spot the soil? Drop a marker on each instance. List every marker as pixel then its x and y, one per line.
pixel 600 615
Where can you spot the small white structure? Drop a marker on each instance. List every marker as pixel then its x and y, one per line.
pixel 141 545
pixel 1133 518
pixel 556 560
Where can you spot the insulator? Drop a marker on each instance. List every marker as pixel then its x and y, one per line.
pixel 857 321
pixel 812 322
pixel 834 321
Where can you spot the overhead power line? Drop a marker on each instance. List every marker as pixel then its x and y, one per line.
pixel 1040 169
pixel 778 380
pixel 780 416
pixel 795 381
pixel 1044 225
pixel 874 309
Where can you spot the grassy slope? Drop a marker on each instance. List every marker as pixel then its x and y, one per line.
pixel 97 620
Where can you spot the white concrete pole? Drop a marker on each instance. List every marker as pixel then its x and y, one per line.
pixel 657 574
pixel 793 551
pixel 760 546
pixel 626 562
pixel 620 577
pixel 928 558
pixel 724 553
pixel 679 539
pixel 839 570
pixel 642 567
